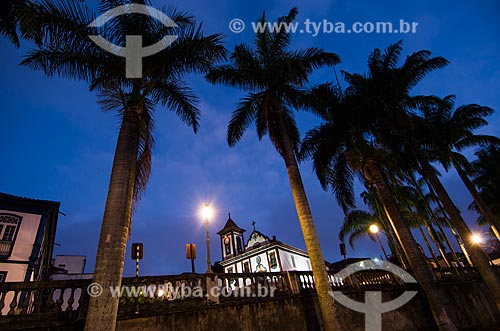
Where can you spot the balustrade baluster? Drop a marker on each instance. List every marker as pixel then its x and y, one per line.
pixel 13 303
pixel 2 300
pixel 71 299
pixel 59 301
pixel 27 302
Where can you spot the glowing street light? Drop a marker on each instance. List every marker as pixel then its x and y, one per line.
pixel 206 214
pixel 375 230
pixel 477 239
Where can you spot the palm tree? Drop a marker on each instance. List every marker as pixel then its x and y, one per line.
pixel 347 142
pixel 398 130
pixel 415 208
pixel 275 78
pixel 453 131
pixel 67 51
pixel 486 176
pixel 357 224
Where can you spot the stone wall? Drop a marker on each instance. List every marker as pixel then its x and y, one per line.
pixel 470 308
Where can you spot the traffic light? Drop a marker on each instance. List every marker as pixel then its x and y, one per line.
pixel 137 251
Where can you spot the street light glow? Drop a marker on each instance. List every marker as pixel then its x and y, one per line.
pixel 477 239
pixel 207 212
pixel 374 228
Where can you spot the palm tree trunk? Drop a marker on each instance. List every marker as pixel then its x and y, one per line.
pixel 434 218
pixel 323 287
pixel 429 247
pixel 437 242
pixel 103 309
pixel 448 243
pixel 395 239
pixel 418 263
pixel 483 207
pixel 489 276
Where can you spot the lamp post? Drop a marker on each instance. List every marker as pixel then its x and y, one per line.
pixel 206 213
pixel 374 229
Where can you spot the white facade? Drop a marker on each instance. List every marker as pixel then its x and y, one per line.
pixel 17 249
pixel 260 254
pixel 27 230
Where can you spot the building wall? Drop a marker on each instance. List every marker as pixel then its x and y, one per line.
pixel 470 308
pixel 74 264
pixel 292 261
pixel 283 260
pixel 23 246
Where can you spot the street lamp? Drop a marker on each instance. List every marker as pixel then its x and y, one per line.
pixel 206 214
pixel 477 239
pixel 374 229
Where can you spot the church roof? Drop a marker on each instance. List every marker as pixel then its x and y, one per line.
pixel 230 226
pixel 257 239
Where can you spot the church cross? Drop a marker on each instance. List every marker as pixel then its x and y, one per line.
pixel 253 223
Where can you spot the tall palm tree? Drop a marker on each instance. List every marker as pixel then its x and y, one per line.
pixel 453 131
pixel 67 51
pixel 486 176
pixel 415 208
pixel 399 128
pixel 349 140
pixel 340 147
pixel 275 78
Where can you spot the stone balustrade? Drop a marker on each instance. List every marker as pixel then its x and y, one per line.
pixel 48 303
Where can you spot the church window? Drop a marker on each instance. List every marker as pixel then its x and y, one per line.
pixel 239 245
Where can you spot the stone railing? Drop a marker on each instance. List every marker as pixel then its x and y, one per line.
pixel 457 275
pixel 22 298
pixel 55 303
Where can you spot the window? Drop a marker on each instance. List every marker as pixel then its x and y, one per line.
pixel 246 267
pixel 9 224
pixel 293 262
pixel 239 245
pixel 3 276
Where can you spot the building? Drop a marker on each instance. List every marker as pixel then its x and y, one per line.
pixel 259 254
pixel 69 267
pixel 27 232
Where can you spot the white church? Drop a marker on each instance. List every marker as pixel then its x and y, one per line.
pixel 259 254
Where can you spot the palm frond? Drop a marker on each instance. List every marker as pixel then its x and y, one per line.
pixel 178 97
pixel 242 117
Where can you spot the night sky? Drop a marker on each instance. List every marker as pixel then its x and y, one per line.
pixel 57 145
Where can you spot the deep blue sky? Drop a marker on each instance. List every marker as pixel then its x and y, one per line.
pixel 57 145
